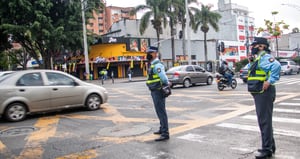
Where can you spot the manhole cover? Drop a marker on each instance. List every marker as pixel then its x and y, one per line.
pixel 17 131
pixel 124 130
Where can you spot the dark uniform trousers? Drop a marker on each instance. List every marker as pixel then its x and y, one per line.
pixel 160 108
pixel 264 111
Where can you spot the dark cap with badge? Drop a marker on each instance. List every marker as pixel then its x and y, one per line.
pixel 152 49
pixel 260 40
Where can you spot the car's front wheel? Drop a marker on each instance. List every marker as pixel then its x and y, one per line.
pixel 15 112
pixel 93 102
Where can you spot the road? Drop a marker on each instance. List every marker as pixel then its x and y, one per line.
pixel 204 124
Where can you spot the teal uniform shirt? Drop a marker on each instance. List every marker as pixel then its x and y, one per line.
pixel 269 64
pixel 159 69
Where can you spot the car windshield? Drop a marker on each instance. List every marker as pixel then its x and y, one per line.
pixel 283 63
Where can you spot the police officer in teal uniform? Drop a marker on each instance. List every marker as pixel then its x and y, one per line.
pixel 264 71
pixel 155 81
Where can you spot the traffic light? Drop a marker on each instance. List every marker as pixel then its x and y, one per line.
pixel 180 34
pixel 221 47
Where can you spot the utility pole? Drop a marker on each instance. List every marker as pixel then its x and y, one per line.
pixel 86 55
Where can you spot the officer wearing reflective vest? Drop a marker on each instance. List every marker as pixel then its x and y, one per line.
pixel 263 72
pixel 156 79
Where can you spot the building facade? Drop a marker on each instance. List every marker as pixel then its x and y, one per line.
pixel 104 19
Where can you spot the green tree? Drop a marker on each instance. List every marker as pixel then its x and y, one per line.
pixel 180 12
pixel 42 27
pixel 204 18
pixel 157 13
pixel 274 28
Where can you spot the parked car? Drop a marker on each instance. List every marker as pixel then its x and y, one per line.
pixel 32 91
pixel 289 67
pixel 188 75
pixel 244 74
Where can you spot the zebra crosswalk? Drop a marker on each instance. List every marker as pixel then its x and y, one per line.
pixel 291 111
pixel 288 81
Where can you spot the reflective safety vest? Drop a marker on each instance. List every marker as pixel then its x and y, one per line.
pixel 256 76
pixel 153 80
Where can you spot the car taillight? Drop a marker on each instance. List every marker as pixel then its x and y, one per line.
pixel 241 71
pixel 176 75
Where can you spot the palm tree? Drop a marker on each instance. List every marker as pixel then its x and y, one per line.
pixel 156 10
pixel 181 13
pixel 205 18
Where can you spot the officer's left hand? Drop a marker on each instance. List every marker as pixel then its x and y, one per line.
pixel 266 85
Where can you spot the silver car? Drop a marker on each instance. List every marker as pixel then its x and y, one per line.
pixel 289 67
pixel 188 75
pixel 31 91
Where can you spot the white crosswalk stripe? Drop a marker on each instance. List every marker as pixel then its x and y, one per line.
pixel 256 129
pixel 289 104
pixel 286 110
pixel 275 119
pixel 289 81
pixel 280 108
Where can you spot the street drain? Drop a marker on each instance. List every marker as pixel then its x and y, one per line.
pixel 17 131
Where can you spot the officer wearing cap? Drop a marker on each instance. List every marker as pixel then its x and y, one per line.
pixel 155 81
pixel 264 71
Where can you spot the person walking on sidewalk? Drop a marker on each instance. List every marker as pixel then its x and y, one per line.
pixel 129 72
pixel 112 77
pixel 155 81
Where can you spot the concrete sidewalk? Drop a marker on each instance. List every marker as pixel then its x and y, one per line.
pixel 118 80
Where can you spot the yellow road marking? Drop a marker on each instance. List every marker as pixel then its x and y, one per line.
pixel 46 128
pixel 89 154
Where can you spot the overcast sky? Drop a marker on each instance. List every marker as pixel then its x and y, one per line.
pixel 259 9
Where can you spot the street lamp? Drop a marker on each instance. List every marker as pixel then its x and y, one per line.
pixel 86 55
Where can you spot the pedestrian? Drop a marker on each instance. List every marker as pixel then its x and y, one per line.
pixel 156 79
pixel 263 72
pixel 103 74
pixel 112 77
pixel 129 72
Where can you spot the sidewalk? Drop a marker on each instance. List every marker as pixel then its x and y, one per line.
pixel 118 80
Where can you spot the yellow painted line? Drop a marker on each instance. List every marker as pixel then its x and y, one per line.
pixel 89 154
pixel 46 128
pixel 193 124
pixel 2 147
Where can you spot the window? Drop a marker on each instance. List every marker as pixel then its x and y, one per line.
pixel 189 69
pixel 198 69
pixel 193 57
pixel 30 79
pixel 59 79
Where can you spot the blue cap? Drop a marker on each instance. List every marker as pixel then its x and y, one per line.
pixel 152 49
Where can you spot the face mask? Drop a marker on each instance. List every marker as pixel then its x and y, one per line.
pixel 254 50
pixel 149 57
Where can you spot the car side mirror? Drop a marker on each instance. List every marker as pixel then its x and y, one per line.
pixel 76 83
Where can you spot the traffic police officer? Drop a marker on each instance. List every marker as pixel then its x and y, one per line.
pixel 264 71
pixel 155 81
